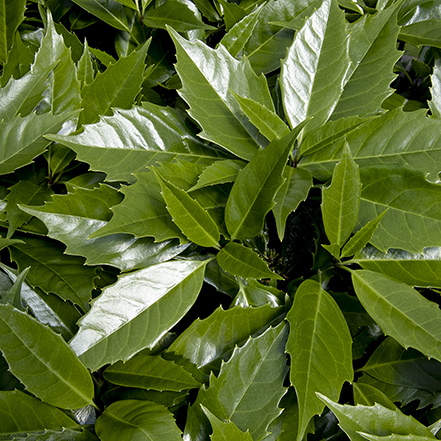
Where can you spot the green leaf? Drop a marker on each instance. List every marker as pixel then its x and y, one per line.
pixel 294 190
pixel 117 86
pixel 61 435
pixel 150 372
pixel 373 53
pixel 177 15
pixel 397 137
pixel 130 140
pixel 252 195
pixel 35 416
pixel 225 430
pixel 375 420
pixel 369 395
pixel 237 37
pixel 268 42
pixel 250 384
pixel 74 217
pixel 208 92
pixel 435 90
pixel 22 139
pixel 329 133
pixel 412 218
pixel 341 200
pixel 137 298
pixel 42 361
pixel 361 237
pixel 142 212
pixel 220 172
pixel 24 192
pixel 140 420
pixel 319 344
pixel 85 70
pixel 14 294
pixel 110 12
pixel 53 271
pixel 391 363
pixel 20 97
pixel 64 89
pixel 205 343
pixel 395 437
pixel 11 15
pixel 317 56
pixel 266 121
pixel 244 262
pixel 253 293
pixel 400 311
pixel 193 220
pixel 414 269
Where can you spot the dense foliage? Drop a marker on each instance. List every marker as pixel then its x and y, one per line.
pixel 220 220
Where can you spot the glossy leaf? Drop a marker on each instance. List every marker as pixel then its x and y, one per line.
pixel 35 416
pixel 244 262
pixel 319 344
pixel 393 364
pixel 128 141
pixel 220 172
pixel 61 435
pixel 53 271
pixel 11 15
pixel 411 221
pixel 373 53
pixel 401 311
pixel 175 14
pixel 24 192
pixel 150 372
pixel 293 191
pixel 137 298
pixel 361 237
pixel 252 195
pixel 341 200
pixel 20 97
pixel 396 437
pixel 237 37
pixel 225 430
pixel 206 342
pixel 64 89
pixel 42 361
pixel 413 269
pixel 72 221
pixel 368 395
pixel 269 124
pixel 208 77
pixel 117 86
pixel 85 71
pixel 408 138
pixel 192 219
pixel 374 420
pixel 252 380
pixel 140 420
pixel 435 102
pixel 22 138
pixel 309 64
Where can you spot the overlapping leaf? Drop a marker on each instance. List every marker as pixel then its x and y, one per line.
pixel 130 140
pixel 397 137
pixel 135 312
pixel 42 361
pixel 71 220
pixel 319 344
pixel 137 419
pixel 400 311
pixel 250 384
pixel 35 415
pixel 11 15
pixel 225 430
pixel 375 420
pixel 414 269
pixel 208 77
pixel 206 342
pixel 317 57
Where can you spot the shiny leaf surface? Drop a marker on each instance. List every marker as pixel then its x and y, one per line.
pixel 137 298
pixel 401 311
pixel 42 361
pixel 319 344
